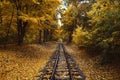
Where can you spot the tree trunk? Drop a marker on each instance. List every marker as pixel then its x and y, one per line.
pixel 73 27
pixel 21 31
pixel 40 36
pixel 21 26
pixel 0 18
pixel 19 23
pixel 70 37
pixel 47 35
pixel 50 35
pixel 44 35
pixel 8 30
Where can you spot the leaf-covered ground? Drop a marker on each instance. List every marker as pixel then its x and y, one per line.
pixel 91 67
pixel 23 63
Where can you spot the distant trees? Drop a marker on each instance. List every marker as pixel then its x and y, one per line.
pixel 74 15
pixel 69 20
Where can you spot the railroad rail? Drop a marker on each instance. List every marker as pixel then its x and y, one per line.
pixel 61 66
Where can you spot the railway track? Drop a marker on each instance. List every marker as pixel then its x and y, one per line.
pixel 61 66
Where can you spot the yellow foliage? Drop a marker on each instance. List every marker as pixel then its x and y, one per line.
pixel 80 37
pixel 103 8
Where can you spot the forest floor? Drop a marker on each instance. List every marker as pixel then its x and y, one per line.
pixel 23 63
pixel 91 67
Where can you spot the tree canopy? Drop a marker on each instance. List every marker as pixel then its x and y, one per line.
pixel 92 24
pixel 24 21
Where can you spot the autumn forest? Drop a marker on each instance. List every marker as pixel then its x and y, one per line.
pixel 83 32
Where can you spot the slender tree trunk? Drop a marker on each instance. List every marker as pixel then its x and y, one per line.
pixel 21 26
pixel 23 31
pixel 72 30
pixel 8 30
pixel 0 17
pixel 0 14
pixel 47 35
pixel 19 23
pixel 70 37
pixel 40 36
pixel 50 37
pixel 44 36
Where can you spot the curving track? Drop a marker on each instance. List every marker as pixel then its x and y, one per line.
pixel 61 66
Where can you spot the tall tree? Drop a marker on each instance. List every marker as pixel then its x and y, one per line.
pixel 29 20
